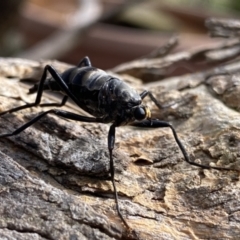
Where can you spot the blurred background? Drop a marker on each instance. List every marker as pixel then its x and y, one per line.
pixel 110 32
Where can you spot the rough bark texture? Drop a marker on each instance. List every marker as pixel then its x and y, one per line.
pixel 52 175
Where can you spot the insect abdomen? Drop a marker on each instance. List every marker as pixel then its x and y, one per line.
pixel 86 83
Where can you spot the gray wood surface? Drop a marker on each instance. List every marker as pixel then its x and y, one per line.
pixel 52 175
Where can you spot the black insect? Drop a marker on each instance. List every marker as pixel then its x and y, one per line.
pixel 107 98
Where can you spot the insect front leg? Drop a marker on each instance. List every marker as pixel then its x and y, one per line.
pixel 148 93
pixel 151 96
pixel 111 142
pixel 155 123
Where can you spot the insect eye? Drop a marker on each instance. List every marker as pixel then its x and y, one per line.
pixel 139 113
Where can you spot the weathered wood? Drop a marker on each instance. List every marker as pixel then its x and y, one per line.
pixel 52 175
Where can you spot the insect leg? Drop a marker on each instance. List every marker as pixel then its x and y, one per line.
pixel 111 141
pixel 85 62
pixel 147 93
pixel 58 79
pixel 155 123
pixel 64 100
pixel 76 117
pixel 57 112
pixel 144 94
pixel 55 75
pixel 39 94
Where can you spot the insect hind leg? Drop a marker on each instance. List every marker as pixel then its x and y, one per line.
pixel 62 103
pixel 57 112
pixel 55 76
pixel 85 62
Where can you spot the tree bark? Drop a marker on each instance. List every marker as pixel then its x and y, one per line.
pixel 52 174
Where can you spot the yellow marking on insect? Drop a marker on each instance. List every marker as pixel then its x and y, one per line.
pixel 148 112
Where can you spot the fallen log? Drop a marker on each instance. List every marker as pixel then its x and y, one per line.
pixel 52 174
